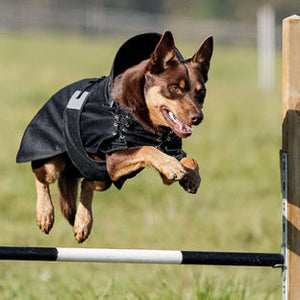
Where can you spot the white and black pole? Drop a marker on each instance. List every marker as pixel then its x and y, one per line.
pixel 142 256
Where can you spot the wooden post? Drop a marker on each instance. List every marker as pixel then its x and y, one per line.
pixel 291 146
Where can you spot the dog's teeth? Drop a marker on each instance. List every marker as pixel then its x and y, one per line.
pixel 182 127
pixel 172 116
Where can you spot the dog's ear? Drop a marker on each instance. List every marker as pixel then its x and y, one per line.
pixel 163 54
pixel 203 56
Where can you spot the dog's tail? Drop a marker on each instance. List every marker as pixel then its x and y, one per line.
pixel 68 189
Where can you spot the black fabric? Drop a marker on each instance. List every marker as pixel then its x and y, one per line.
pixel 109 129
pixel 96 125
pixel 89 168
pixel 135 50
pixel 43 138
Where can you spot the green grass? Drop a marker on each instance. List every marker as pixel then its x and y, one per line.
pixel 238 206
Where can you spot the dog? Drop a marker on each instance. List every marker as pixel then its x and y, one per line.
pixel 162 95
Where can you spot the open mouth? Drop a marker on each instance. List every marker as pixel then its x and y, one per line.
pixel 180 128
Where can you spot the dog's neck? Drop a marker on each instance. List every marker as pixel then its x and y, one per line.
pixel 128 91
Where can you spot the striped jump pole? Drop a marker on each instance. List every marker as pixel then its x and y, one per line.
pixel 142 256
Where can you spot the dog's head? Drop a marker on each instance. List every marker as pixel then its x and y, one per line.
pixel 175 90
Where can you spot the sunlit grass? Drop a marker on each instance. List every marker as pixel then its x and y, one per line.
pixel 237 208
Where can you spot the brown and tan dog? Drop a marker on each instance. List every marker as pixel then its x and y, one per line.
pixel 161 92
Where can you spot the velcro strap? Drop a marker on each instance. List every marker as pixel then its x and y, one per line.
pixel 78 99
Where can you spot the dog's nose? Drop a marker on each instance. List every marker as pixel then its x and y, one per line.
pixel 197 118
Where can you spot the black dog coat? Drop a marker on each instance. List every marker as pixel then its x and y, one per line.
pixel 82 120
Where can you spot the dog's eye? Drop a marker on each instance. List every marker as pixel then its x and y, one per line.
pixel 175 88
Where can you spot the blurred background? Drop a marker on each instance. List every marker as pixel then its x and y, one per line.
pixel 231 21
pixel 45 45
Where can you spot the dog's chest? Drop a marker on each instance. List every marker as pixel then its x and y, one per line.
pixel 108 129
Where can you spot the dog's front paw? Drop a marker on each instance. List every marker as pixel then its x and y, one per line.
pixel 191 181
pixel 172 169
pixel 83 223
pixel 45 217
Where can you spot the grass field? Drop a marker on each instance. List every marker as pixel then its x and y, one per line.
pixel 238 206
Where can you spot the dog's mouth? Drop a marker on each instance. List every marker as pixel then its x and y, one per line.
pixel 180 128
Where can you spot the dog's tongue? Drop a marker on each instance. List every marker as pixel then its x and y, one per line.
pixel 179 126
pixel 182 128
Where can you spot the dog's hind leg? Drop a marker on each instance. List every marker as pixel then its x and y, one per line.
pixel 67 188
pixel 45 174
pixel 44 206
pixel 84 217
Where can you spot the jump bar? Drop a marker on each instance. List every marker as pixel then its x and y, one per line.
pixel 142 256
